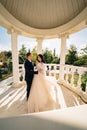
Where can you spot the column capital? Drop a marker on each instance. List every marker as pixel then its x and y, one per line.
pixel 39 40
pixel 64 35
pixel 12 31
pixel 39 45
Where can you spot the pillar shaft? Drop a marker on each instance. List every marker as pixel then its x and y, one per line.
pixel 39 45
pixel 15 61
pixel 62 58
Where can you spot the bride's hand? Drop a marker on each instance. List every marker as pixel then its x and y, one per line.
pixel 36 62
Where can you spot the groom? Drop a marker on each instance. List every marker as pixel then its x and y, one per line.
pixel 29 72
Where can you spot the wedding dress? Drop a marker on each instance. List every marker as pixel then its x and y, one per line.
pixel 42 95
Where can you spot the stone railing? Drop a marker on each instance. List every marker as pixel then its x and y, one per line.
pixel 21 71
pixel 71 77
pixel 53 70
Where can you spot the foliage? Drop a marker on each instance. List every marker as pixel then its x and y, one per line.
pixel 0 73
pixel 5 76
pixel 21 59
pixel 84 51
pixel 84 55
pixel 84 81
pixel 10 67
pixel 47 55
pixel 5 56
pixel 71 57
pixel 22 52
pixel 6 67
pixel 56 60
pixel 34 53
pixel 76 77
pixel 79 62
pixel 21 78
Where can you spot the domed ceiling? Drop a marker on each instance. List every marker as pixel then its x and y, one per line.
pixel 44 14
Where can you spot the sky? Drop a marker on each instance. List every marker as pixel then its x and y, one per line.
pixel 78 39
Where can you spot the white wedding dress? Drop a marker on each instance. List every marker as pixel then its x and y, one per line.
pixel 42 95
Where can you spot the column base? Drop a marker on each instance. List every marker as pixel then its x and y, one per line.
pixel 19 84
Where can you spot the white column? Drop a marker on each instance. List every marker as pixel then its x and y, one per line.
pixel 39 45
pixel 62 58
pixel 15 60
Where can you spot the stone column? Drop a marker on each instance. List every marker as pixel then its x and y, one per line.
pixel 39 45
pixel 15 59
pixel 62 57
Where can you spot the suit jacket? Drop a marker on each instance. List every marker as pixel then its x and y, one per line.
pixel 29 70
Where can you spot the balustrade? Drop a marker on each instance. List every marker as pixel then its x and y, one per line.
pixel 72 76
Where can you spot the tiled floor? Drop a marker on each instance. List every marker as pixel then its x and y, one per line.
pixel 13 100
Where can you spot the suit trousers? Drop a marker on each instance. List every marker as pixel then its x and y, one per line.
pixel 29 83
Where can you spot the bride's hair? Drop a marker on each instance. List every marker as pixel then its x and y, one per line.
pixel 41 56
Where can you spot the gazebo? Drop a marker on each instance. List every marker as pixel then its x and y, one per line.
pixel 44 19
pixel 41 20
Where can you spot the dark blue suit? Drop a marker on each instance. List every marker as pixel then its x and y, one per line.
pixel 29 74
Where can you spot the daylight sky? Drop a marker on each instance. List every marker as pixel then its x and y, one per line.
pixel 78 39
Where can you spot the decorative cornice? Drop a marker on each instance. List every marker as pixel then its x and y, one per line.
pixel 39 40
pixel 64 34
pixel 10 21
pixel 13 30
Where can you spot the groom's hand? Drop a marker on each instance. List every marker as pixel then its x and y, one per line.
pixel 35 70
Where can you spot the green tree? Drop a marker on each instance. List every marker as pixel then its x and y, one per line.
pixel 84 51
pixel 22 52
pixel 55 57
pixel 84 55
pixel 84 81
pixel 56 60
pixel 6 57
pixel 0 73
pixel 48 56
pixel 72 56
pixel 3 57
pixel 82 60
pixel 34 53
pixel 8 54
pixel 54 52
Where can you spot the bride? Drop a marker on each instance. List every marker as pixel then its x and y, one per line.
pixel 42 97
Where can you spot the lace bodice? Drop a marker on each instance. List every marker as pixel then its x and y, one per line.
pixel 41 68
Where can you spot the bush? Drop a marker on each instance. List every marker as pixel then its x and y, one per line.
pixel 83 85
pixel 21 78
pixel 79 62
pixel 0 74
pixel 10 67
pixel 4 72
pixel 84 80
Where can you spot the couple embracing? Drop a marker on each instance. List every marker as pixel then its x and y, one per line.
pixel 39 89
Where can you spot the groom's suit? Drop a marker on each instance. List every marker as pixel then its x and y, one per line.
pixel 29 74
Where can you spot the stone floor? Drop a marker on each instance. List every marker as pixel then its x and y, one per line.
pixel 13 100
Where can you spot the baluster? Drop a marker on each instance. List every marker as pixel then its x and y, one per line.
pixel 86 87
pixel 55 71
pixel 79 81
pixel 49 70
pixel 72 78
pixel 67 70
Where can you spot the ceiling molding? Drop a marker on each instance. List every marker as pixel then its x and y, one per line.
pixel 9 21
